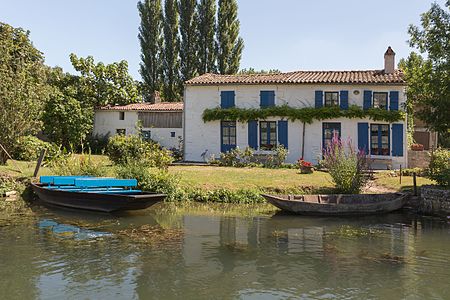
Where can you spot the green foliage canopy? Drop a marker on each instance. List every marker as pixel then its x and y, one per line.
pixel 23 87
pixel 306 114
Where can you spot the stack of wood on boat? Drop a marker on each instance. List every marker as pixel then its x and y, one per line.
pixel 94 193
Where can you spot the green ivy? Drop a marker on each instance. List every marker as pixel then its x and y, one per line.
pixel 306 114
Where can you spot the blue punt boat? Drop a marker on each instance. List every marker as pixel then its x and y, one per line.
pixel 94 193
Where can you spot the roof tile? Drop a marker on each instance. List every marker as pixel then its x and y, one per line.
pixel 163 106
pixel 304 77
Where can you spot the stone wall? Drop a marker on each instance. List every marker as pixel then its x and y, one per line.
pixel 434 201
pixel 418 159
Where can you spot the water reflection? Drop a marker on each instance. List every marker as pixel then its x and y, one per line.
pixel 283 256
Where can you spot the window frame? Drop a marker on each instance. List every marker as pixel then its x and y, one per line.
pixel 332 104
pixel 121 115
pixel 380 143
pixel 380 93
pixel 334 126
pixel 269 146
pixel 228 137
pixel 121 131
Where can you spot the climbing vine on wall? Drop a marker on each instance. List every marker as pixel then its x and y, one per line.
pixel 306 114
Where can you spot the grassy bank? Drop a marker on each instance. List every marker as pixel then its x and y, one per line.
pixel 220 184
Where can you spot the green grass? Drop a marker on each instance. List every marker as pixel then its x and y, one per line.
pixel 393 182
pixel 212 177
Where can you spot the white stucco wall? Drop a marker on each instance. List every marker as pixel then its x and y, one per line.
pixel 107 122
pixel 201 136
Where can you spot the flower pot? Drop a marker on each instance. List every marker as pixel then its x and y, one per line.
pixel 306 170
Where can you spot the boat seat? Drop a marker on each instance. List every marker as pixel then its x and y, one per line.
pixel 60 180
pixel 104 182
pixel 114 191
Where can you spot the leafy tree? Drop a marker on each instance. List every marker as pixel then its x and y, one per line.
pixel 251 71
pixel 23 87
pixel 171 62
pixel 151 40
pixel 206 30
pixel 229 44
pixel 67 121
pixel 433 39
pixel 105 84
pixel 417 73
pixel 189 40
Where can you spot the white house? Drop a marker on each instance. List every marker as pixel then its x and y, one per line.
pixel 385 142
pixel 161 122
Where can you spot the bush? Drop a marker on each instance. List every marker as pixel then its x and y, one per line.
pixel 440 167
pixel 242 196
pixel 29 148
pixel 76 164
pixel 97 144
pixel 151 180
pixel 419 172
pixel 346 167
pixel 122 149
pixel 247 158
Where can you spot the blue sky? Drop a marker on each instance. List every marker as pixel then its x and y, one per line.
pixel 281 34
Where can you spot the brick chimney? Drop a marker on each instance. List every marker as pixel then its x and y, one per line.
pixel 389 61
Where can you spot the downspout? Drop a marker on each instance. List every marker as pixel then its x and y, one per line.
pixel 303 141
pixel 184 123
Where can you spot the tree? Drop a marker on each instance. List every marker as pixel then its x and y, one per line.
pixel 171 62
pixel 433 39
pixel 229 44
pixel 67 120
pixel 188 47
pixel 151 40
pixel 417 72
pixel 206 30
pixel 23 87
pixel 251 71
pixel 103 84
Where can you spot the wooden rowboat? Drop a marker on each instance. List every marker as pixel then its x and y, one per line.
pixel 97 194
pixel 363 204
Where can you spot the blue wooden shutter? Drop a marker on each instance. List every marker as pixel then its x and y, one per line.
pixel 267 98
pixel 363 137
pixel 344 100
pixel 393 100
pixel 367 99
pixel 319 99
pixel 253 134
pixel 227 99
pixel 283 133
pixel 397 139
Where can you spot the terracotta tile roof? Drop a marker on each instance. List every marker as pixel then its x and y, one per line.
pixel 304 77
pixel 163 106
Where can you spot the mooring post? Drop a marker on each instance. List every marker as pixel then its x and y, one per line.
pixel 39 162
pixel 415 183
pixel 400 174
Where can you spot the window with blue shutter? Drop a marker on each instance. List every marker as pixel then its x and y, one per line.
pixel 344 100
pixel 397 139
pixel 393 100
pixel 379 139
pixel 367 100
pixel 253 134
pixel 283 133
pixel 227 99
pixel 228 135
pixel 267 98
pixel 363 137
pixel 318 99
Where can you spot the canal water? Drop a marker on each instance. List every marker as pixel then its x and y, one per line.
pixel 222 253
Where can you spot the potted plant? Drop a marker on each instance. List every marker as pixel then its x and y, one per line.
pixel 306 167
pixel 417 147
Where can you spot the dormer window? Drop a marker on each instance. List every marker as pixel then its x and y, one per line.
pixel 331 98
pixel 380 100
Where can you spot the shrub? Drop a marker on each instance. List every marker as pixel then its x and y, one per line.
pixel 97 143
pixel 29 148
pixel 419 172
pixel 440 167
pixel 276 159
pixel 151 180
pixel 242 196
pixel 346 167
pixel 246 158
pixel 76 164
pixel 122 149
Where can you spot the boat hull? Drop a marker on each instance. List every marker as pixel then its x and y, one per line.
pixel 97 201
pixel 335 205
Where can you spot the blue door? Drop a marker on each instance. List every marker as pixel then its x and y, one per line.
pixel 228 135
pixel 330 130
